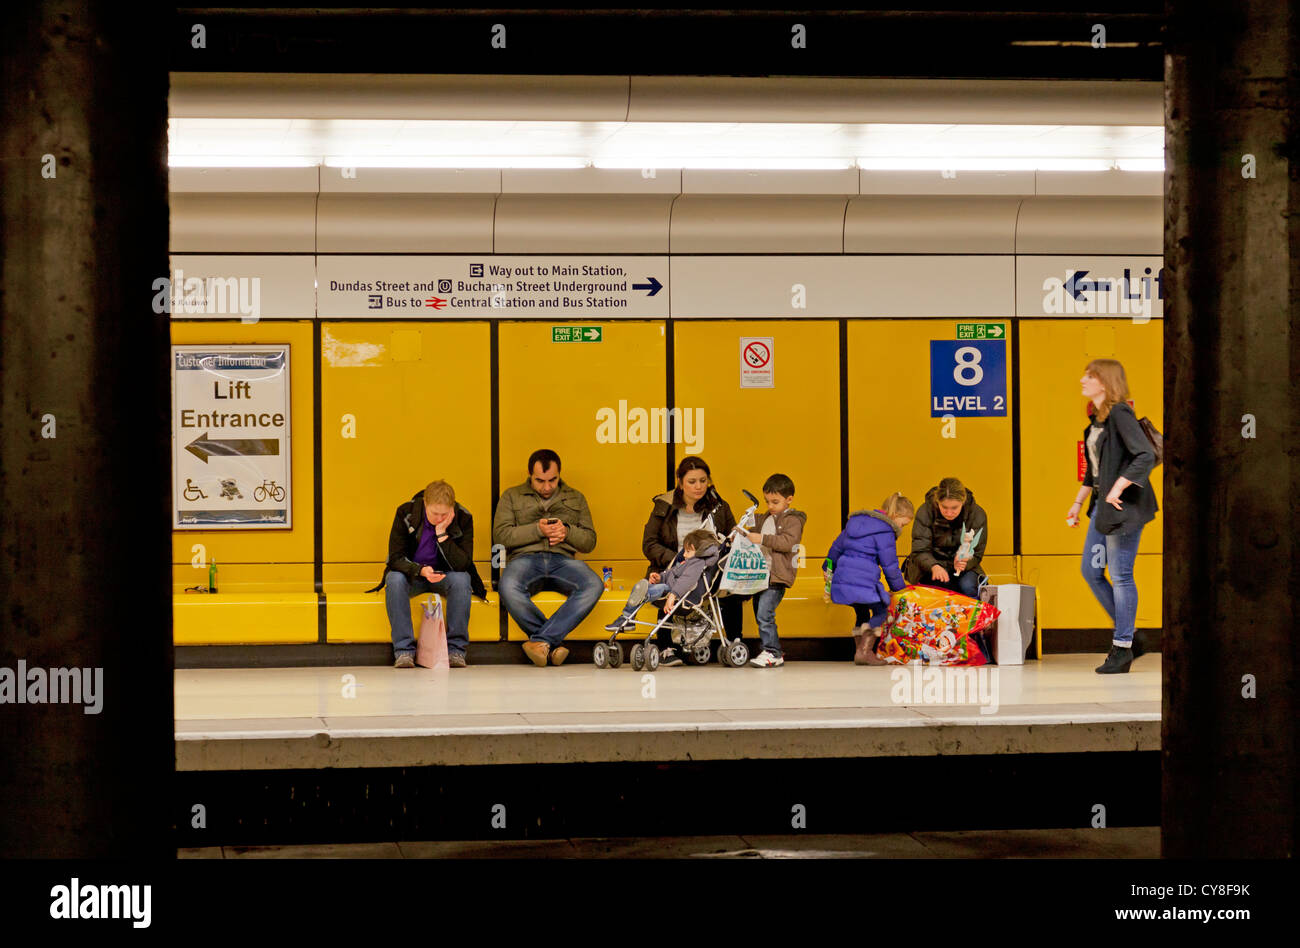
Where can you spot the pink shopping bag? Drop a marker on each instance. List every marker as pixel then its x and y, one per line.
pixel 431 647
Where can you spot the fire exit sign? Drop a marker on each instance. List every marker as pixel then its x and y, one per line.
pixel 981 331
pixel 575 334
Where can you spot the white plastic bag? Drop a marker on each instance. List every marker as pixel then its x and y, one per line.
pixel 747 569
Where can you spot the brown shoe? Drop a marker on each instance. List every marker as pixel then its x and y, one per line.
pixel 865 653
pixel 536 652
pixel 559 654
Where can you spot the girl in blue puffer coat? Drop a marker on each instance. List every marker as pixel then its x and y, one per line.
pixel 868 545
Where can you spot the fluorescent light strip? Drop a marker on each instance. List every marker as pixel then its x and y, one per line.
pixel 737 163
pixel 986 164
pixel 241 161
pixel 452 161
pixel 1140 164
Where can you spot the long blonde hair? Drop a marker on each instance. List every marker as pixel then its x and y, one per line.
pixel 1114 384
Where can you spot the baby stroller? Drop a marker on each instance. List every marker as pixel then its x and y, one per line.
pixel 694 622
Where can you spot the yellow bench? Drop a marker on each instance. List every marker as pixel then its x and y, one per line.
pixel 255 604
pixel 353 615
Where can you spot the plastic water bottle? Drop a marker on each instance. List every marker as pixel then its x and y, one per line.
pixel 212 576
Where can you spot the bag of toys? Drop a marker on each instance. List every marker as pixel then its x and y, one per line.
pixel 935 626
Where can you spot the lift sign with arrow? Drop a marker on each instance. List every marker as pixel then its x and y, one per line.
pixel 203 447
pixel 1076 285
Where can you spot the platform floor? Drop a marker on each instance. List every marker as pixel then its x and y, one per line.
pixel 286 718
pixel 1138 842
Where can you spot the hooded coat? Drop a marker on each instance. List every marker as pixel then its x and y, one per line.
pixel 404 543
pixel 866 546
pixel 935 539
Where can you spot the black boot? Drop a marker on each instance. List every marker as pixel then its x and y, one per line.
pixel 1139 647
pixel 1117 662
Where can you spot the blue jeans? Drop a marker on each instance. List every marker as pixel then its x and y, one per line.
pixel 968 583
pixel 1119 597
pixel 765 604
pixel 653 592
pixel 454 587
pixel 530 573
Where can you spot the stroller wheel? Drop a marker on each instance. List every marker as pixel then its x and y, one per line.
pixel 615 654
pixel 651 657
pixel 638 657
pixel 701 654
pixel 600 655
pixel 724 653
pixel 737 654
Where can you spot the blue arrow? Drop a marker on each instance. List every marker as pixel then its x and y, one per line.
pixel 1078 286
pixel 654 286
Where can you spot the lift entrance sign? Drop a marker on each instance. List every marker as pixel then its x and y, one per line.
pixel 230 437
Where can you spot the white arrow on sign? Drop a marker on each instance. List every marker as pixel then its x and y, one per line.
pixel 593 334
pixel 995 331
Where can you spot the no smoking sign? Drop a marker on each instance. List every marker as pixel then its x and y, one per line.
pixel 756 358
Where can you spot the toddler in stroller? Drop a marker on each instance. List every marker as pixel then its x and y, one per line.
pixel 700 550
pixel 689 588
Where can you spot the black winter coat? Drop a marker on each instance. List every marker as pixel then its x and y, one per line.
pixel 659 540
pixel 1122 451
pixel 935 539
pixel 404 543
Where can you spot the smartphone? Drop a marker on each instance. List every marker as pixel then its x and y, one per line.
pixel 550 520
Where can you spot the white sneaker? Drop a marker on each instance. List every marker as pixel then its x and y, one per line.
pixel 766 659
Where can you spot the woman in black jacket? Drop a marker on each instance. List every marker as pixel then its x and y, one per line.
pixel 1120 503
pixel 693 505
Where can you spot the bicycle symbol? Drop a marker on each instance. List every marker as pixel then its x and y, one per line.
pixel 275 490
pixel 192 492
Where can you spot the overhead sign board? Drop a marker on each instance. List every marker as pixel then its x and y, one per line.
pixel 230 437
pixel 487 285
pixel 1126 287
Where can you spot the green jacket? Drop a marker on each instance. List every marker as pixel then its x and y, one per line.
pixel 515 524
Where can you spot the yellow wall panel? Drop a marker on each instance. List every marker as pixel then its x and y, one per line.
pixel 295 545
pixel 551 394
pixel 1065 600
pixel 752 433
pixel 1053 353
pixel 419 397
pixel 894 444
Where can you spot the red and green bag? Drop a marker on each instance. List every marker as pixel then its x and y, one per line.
pixel 935 626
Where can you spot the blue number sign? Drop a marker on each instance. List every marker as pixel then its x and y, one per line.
pixel 968 378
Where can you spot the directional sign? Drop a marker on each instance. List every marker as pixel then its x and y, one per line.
pixel 981 331
pixel 968 379
pixel 483 286
pixel 576 334
pixel 230 437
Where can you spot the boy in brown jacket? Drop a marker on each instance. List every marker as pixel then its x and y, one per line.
pixel 778 531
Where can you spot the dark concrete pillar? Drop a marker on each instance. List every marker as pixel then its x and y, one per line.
pixel 1230 573
pixel 84 428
